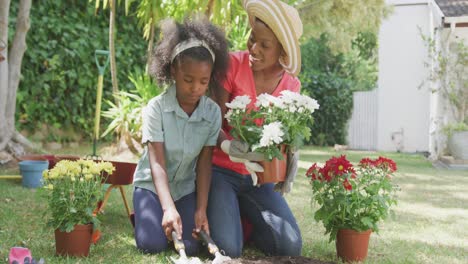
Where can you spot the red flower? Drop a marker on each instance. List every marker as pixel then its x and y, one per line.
pixel 312 171
pixel 339 166
pixel 347 185
pixel 386 163
pixel 324 174
pixel 366 162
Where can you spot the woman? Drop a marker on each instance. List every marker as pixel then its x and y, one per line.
pixel 270 65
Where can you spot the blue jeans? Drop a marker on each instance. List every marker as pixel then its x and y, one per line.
pixel 149 235
pixel 275 231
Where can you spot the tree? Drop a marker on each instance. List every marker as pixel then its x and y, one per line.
pixel 341 20
pixel 10 70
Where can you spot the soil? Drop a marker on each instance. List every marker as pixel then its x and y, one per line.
pixel 276 260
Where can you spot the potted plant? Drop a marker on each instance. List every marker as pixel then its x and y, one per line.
pixel 271 126
pixel 73 189
pixel 352 200
pixel 449 75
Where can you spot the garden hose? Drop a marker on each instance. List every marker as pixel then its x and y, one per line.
pixel 10 177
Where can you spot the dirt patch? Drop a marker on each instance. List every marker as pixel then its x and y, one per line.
pixel 276 260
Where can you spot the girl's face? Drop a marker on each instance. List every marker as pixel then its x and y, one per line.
pixel 264 48
pixel 191 79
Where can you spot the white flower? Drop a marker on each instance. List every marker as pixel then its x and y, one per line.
pixel 288 97
pixel 265 100
pixel 310 104
pixel 240 102
pixel 228 115
pixel 271 134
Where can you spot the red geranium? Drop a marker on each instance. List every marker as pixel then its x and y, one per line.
pixel 352 197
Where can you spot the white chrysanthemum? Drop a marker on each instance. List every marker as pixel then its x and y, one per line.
pixel 288 97
pixel 310 104
pixel 240 102
pixel 265 100
pixel 228 115
pixel 271 134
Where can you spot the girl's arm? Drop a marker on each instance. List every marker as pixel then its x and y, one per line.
pixel 171 218
pixel 203 188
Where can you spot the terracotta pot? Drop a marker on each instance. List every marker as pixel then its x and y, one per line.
pixel 352 245
pixel 274 171
pixel 76 243
pixel 123 174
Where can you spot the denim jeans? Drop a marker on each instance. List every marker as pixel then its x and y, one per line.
pixel 149 235
pixel 275 231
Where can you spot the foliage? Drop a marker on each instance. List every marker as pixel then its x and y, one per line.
pixel 331 78
pixel 126 115
pixel 336 100
pixel 73 189
pixel 274 121
pixel 352 198
pixel 59 76
pixel 342 20
pixel 450 76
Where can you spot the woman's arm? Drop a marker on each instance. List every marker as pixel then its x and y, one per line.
pixel 171 218
pixel 203 188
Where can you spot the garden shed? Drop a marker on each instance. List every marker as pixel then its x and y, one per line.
pixel 401 114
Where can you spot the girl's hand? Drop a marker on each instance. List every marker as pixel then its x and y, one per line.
pixel 201 223
pixel 172 221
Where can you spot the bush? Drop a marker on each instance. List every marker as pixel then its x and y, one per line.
pixel 336 102
pixel 59 76
pixel 331 79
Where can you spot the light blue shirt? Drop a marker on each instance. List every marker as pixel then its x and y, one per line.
pixel 183 137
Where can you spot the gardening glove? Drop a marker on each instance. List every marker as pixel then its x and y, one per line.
pixel 240 149
pixel 238 152
pixel 291 172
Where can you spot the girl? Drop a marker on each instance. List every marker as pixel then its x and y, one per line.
pixel 180 128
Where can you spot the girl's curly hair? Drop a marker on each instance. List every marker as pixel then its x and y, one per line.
pixel 174 33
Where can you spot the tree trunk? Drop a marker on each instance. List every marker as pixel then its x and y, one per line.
pixel 150 47
pixel 10 70
pixel 113 65
pixel 5 134
pixel 209 8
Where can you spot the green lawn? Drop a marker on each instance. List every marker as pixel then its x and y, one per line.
pixel 430 224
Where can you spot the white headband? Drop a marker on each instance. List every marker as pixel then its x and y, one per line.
pixel 190 43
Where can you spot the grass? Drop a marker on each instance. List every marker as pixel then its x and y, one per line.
pixel 430 224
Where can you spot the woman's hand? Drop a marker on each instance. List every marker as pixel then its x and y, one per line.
pixel 172 221
pixel 201 223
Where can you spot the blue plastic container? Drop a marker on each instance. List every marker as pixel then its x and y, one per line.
pixel 31 172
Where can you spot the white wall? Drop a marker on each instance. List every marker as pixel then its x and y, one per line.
pixel 403 109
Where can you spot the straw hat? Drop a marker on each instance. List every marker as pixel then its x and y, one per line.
pixel 285 22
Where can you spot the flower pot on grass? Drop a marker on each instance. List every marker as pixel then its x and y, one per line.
pixel 31 172
pixel 75 243
pixel 352 245
pixel 458 144
pixel 73 188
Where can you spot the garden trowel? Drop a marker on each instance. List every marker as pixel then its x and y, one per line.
pixel 213 249
pixel 180 248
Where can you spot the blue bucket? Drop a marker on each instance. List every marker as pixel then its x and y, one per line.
pixel 31 172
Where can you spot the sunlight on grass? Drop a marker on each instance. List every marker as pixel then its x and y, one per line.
pixel 429 223
pixel 430 211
